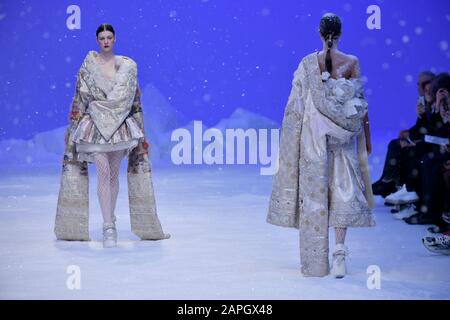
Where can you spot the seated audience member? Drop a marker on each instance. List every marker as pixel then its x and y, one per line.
pixel 407 145
pixel 433 165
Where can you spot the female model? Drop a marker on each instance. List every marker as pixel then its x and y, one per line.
pixel 323 178
pixel 106 124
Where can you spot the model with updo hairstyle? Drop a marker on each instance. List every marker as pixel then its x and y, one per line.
pixel 330 30
pixel 106 125
pixel 323 179
pixel 105 27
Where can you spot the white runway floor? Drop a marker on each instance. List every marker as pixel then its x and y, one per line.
pixel 221 246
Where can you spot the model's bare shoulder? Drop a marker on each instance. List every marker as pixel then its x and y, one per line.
pixel 352 59
pixel 354 65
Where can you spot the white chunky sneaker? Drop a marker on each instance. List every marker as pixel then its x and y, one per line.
pixel 406 212
pixel 402 196
pixel 109 235
pixel 338 269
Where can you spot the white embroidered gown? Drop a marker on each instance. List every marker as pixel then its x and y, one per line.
pixel 87 138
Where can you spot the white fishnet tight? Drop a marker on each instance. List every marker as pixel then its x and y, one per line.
pixel 108 165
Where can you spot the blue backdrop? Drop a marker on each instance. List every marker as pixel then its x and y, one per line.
pixel 210 57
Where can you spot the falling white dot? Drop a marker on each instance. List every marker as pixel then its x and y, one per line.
pixel 385 66
pixel 172 14
pixel 388 41
pixel 265 12
pixel 409 78
pixel 279 43
pixel 68 84
pixel 418 31
pixel 402 23
pixel 405 39
pixel 206 97
pixel 347 7
pixel 68 59
pixel 45 35
pixel 443 45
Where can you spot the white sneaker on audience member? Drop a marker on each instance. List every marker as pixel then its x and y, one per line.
pixel 438 243
pixel 402 196
pixel 405 213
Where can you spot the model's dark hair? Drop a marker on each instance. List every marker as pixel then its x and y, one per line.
pixel 442 81
pixel 330 29
pixel 105 27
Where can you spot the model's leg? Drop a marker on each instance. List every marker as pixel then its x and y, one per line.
pixel 104 185
pixel 115 158
pixel 338 268
pixel 340 235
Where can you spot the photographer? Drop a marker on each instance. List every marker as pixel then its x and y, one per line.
pixel 435 163
pixel 408 145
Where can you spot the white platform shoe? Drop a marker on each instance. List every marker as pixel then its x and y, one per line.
pixel 338 268
pixel 109 235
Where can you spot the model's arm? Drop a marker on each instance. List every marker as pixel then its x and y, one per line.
pixel 356 73
pixel 136 113
pixel 367 134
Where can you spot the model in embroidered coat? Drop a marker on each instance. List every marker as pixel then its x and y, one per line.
pixel 323 179
pixel 106 124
